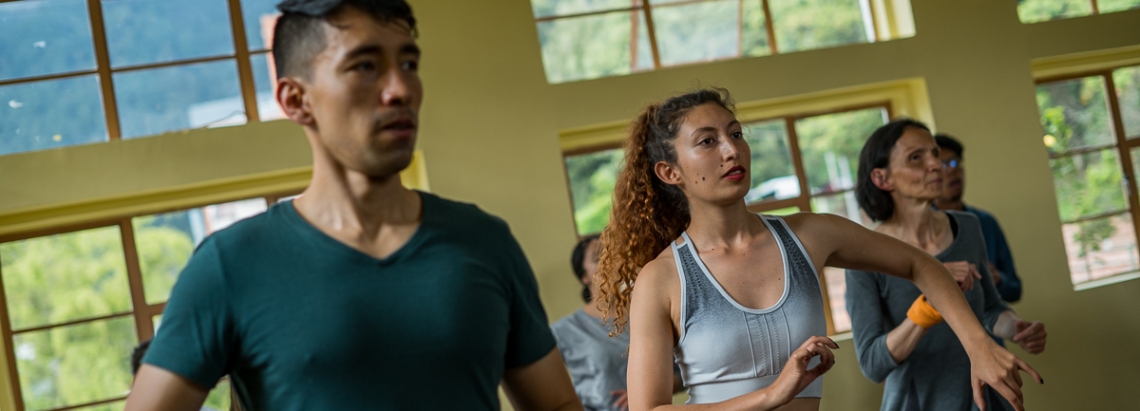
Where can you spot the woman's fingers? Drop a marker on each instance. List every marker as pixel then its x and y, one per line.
pixel 1024 366
pixel 1011 393
pixel 978 388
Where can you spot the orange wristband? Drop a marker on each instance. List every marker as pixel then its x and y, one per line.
pixel 923 314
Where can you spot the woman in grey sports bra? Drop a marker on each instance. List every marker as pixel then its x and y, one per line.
pixel 900 176
pixel 733 297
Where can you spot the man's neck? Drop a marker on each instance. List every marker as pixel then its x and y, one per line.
pixel 359 210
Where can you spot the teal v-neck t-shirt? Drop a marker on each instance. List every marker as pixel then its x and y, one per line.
pixel 301 321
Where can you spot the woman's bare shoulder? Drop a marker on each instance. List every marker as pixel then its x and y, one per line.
pixel 659 275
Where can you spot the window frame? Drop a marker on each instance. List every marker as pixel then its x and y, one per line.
pixel 878 29
pixel 142 312
pixel 105 72
pixel 1122 144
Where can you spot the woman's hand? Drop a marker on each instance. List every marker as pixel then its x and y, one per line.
pixel 796 375
pixel 1030 336
pixel 964 274
pixel 999 369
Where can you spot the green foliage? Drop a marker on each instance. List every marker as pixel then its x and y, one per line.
pixel 771 157
pixel 812 24
pixel 163 252
pixel 1109 6
pixel 67 277
pixel 1033 11
pixel 586 47
pixel 1127 82
pixel 592 179
pixel 831 141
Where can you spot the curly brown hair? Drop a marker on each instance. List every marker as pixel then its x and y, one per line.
pixel 647 213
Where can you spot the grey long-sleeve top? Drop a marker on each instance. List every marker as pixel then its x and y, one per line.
pixel 936 376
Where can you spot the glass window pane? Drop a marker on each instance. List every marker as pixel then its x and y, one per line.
pixel 696 32
pixel 1032 11
pixel 176 98
pixel 1088 184
pixel 773 175
pixel 54 34
pixel 782 211
pixel 75 364
pixel 837 296
pixel 1127 82
pixel 145 32
pixel 590 47
pixel 165 241
pixel 1109 6
pixel 843 204
pixel 813 24
pixel 1074 114
pixel 1100 248
pixel 548 8
pixel 264 81
pixel 53 113
pixel 219 398
pixel 65 277
pixel 830 146
pixel 157 320
pixel 260 17
pixel 592 178
pixel 754 30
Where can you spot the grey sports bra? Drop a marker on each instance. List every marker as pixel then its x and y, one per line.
pixel 727 350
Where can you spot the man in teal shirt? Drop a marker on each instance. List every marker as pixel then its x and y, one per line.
pixel 359 294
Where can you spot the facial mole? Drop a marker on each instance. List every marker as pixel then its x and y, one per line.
pixel 702 179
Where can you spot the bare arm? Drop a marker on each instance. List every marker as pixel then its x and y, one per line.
pixel 541 386
pixel 158 389
pixel 836 241
pixel 652 340
pixel 902 340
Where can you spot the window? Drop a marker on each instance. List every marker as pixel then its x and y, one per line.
pixel 1034 11
pixel 1092 135
pixel 585 39
pixel 121 69
pixel 801 162
pixel 77 301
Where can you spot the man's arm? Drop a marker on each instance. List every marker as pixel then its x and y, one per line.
pixel 540 386
pixel 158 389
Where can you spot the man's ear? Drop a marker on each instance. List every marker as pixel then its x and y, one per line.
pixel 291 98
pixel 879 177
pixel 668 173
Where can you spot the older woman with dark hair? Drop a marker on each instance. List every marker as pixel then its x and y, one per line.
pixel 898 336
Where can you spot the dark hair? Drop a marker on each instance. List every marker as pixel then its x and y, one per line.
pixel 578 262
pixel 948 142
pixel 298 35
pixel 876 153
pixel 137 355
pixel 647 213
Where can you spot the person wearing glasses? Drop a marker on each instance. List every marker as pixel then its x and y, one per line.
pixel 953 187
pixel 899 338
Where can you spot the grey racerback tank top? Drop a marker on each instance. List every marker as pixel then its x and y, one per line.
pixel 726 349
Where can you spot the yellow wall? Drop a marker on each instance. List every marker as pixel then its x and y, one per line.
pixel 490 136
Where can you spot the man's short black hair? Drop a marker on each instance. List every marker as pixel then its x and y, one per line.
pixel 876 153
pixel 298 36
pixel 948 142
pixel 137 355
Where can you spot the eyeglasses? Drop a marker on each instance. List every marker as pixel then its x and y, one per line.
pixel 952 164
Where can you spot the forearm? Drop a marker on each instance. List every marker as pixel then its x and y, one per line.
pixel 902 340
pixel 943 293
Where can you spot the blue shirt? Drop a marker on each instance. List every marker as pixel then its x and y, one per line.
pixel 998 252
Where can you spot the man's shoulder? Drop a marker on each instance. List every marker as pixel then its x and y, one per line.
pixel 251 231
pixel 464 216
pixel 983 215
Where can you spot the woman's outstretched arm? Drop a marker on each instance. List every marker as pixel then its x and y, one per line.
pixel 838 242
